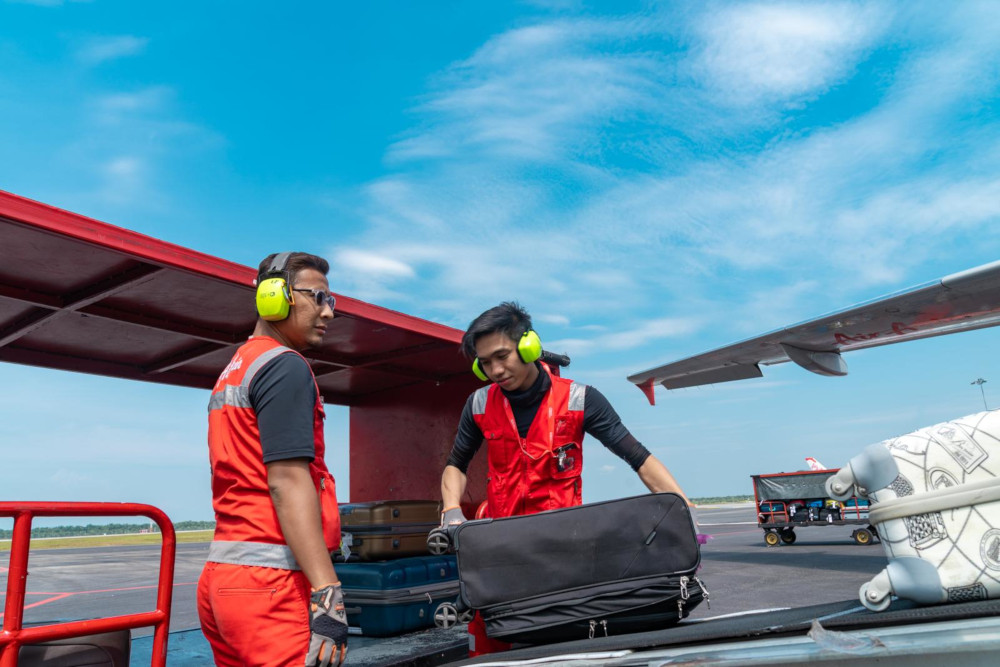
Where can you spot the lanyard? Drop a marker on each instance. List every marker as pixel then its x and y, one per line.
pixel 549 430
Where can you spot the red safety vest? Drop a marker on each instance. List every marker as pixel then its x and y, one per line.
pixel 542 471
pixel 247 531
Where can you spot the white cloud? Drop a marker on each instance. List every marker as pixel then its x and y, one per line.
pixel 372 264
pixel 126 139
pixel 151 99
pixel 765 51
pixel 125 179
pixel 520 192
pixel 647 332
pixel 99 50
pixel 553 318
pixel 533 92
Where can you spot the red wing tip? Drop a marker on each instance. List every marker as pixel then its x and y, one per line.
pixel 647 389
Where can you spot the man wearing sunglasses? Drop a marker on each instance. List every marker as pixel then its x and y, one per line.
pixel 268 594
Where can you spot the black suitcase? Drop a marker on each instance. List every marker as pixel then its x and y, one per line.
pixel 594 570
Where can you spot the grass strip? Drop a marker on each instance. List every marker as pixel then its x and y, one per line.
pixel 109 540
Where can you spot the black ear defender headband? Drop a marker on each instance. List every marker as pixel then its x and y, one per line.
pixel 529 348
pixel 274 294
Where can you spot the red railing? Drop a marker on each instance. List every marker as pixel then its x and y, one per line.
pixel 14 635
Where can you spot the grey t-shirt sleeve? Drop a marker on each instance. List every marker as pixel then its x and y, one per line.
pixel 468 440
pixel 601 421
pixel 283 395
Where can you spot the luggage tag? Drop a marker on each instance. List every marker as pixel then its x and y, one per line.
pixel 346 542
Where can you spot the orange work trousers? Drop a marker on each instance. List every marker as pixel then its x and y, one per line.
pixel 479 643
pixel 254 615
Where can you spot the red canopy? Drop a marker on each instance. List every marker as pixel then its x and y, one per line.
pixel 82 295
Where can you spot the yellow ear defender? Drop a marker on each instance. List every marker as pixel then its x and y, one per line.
pixel 529 348
pixel 274 295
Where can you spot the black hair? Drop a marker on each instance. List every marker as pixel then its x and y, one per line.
pixel 508 318
pixel 297 261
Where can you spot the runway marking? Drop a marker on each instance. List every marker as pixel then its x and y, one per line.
pixel 730 523
pixel 56 596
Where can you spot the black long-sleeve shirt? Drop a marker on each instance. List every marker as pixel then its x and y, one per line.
pixel 599 420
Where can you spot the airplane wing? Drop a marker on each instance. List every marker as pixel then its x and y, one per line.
pixel 960 302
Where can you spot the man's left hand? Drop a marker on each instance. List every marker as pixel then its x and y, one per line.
pixel 328 623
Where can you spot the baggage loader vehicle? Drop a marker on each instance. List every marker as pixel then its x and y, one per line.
pixel 789 500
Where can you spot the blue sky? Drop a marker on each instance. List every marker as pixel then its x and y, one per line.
pixel 651 180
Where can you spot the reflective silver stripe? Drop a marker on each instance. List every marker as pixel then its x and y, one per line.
pixel 237 397
pixel 259 362
pixel 577 394
pixel 261 554
pixel 479 401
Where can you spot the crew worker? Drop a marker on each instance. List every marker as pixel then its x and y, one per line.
pixel 268 594
pixel 533 422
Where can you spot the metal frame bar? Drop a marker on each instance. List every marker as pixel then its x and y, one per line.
pixel 62 223
pixel 14 635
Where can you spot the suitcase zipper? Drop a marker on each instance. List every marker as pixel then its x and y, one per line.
pixel 593 627
pixel 684 597
pixel 704 592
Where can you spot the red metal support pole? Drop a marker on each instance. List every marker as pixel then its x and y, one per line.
pixel 17 578
pixel 14 635
pixel 165 589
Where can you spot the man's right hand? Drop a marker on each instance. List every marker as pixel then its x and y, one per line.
pixel 452 517
pixel 439 541
pixel 328 623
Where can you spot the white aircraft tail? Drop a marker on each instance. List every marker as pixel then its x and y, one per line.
pixel 814 464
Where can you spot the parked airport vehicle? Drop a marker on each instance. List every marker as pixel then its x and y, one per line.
pixel 790 500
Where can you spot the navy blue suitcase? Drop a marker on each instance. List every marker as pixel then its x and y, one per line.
pixel 392 597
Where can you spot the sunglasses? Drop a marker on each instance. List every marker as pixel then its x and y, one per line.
pixel 321 297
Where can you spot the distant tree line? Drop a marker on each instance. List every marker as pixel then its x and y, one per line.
pixel 721 499
pixel 107 529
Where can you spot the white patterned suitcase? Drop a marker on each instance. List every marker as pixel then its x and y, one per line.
pixel 935 501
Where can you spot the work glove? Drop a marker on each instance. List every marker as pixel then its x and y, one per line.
pixel 328 623
pixel 439 541
pixel 452 517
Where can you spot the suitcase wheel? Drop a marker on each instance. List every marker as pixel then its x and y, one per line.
pixel 446 616
pixel 438 542
pixel 875 594
pixel 841 486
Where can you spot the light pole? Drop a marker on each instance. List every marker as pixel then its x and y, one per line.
pixel 981 382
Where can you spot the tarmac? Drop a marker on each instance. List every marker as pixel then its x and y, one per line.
pixel 740 571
